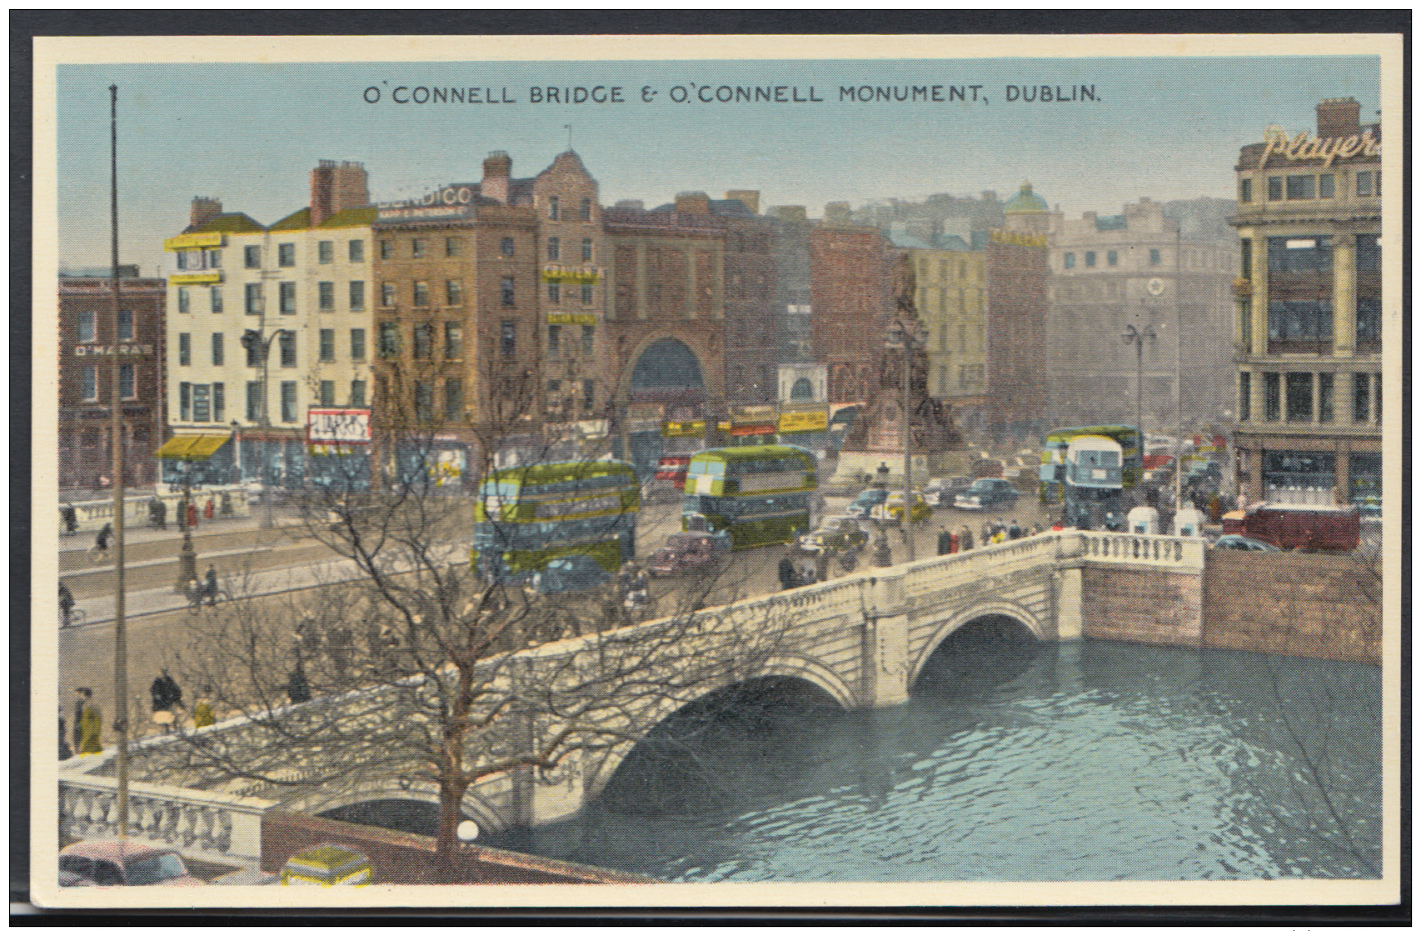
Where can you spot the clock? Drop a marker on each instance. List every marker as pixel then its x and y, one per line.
pixel 1155 287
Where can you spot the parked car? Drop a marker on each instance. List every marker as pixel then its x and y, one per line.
pixel 867 500
pixel 942 492
pixel 569 574
pixel 124 863
pixel 835 534
pixel 1234 541
pixel 327 865
pixel 987 493
pixel 688 551
pixel 891 510
pixel 1322 527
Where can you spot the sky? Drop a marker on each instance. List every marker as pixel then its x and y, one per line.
pixel 250 134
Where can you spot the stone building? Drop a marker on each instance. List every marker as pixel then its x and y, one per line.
pixel 86 344
pixel 1017 266
pixel 1307 335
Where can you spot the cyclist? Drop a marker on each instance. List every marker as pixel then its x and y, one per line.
pixel 66 603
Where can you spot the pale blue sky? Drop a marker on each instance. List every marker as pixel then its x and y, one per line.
pixel 250 133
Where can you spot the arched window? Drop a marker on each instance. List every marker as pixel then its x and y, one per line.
pixel 802 390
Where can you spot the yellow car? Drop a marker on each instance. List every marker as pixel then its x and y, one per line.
pixel 891 510
pixel 327 865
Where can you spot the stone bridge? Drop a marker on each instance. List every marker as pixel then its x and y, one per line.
pixel 863 639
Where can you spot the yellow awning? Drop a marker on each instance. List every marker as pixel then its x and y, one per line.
pixel 192 448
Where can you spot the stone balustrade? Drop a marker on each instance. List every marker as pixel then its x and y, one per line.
pixel 92 515
pixel 1152 549
pixel 203 825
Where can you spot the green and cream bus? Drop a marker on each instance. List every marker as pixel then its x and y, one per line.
pixel 757 494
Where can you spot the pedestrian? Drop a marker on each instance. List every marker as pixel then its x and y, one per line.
pixel 166 692
pixel 88 723
pixel 965 536
pixel 944 542
pixel 71 519
pixel 225 508
pixel 202 714
pixel 297 688
pixel 65 751
pixel 157 513
pixel 208 510
pixel 209 589
pixel 101 542
pixel 1014 531
pixel 339 643
pixel 66 604
pixel 787 573
pixel 986 532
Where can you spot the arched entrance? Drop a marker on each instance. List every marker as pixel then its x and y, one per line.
pixel 666 384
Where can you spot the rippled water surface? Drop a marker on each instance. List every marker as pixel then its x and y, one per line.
pixel 1012 762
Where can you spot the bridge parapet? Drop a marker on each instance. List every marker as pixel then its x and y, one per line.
pixel 1183 553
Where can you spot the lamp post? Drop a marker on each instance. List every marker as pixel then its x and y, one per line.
pixel 187 557
pixel 905 334
pixel 252 340
pixel 237 452
pixel 1138 336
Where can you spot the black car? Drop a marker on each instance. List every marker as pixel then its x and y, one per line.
pixel 987 493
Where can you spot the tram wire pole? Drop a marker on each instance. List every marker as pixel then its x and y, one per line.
pixel 120 629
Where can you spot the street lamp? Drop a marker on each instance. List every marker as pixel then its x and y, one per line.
pixel 906 335
pixel 1138 336
pixel 187 557
pixel 253 341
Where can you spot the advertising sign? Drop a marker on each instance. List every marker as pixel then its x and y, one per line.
pixel 336 426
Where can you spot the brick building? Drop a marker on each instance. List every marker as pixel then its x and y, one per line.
pixel 1017 263
pixel 851 271
pixel 86 337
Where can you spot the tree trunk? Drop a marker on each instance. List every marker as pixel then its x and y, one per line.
pixel 447 860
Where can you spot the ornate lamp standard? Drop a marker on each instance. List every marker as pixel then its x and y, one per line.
pixel 1138 336
pixel 254 342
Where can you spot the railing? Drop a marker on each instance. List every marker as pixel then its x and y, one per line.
pixel 203 825
pixel 1181 552
pixel 92 515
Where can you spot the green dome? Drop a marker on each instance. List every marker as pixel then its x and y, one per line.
pixel 1025 201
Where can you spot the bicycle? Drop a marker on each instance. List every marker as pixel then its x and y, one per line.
pixel 199 596
pixel 74 617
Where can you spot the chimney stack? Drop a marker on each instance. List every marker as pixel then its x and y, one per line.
pixel 337 186
pixel 693 202
pixel 1338 116
pixel 497 169
pixel 751 199
pixel 203 210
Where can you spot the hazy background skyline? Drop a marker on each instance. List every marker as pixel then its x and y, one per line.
pixel 250 134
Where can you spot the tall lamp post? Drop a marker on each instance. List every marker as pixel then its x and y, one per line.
pixel 253 341
pixel 187 557
pixel 905 335
pixel 1139 336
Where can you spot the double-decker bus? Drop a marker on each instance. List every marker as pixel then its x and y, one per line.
pixel 757 494
pixel 527 516
pixel 1095 495
pixel 1053 457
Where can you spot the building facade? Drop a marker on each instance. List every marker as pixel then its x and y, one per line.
pixel 1307 334
pixel 851 271
pixel 1017 265
pixel 86 354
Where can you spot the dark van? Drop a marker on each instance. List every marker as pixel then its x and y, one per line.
pixel 1319 527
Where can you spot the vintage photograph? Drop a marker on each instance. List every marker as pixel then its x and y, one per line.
pixel 867 470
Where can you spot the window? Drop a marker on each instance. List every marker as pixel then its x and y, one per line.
pixel 357 250
pixel 215 297
pixel 586 250
pixel 1369 322
pixel 89 383
pixel 417 248
pixel 254 401
pixel 253 298
pixel 1069 260
pixel 388 295
pixel 554 247
pixel 508 338
pixel 423 400
pixel 87 329
pixel 389 340
pixel 213 258
pixel 1326 186
pixel 554 292
pixel 506 290
pixel 286 342
pixel 125 324
pixel 357 295
pixel 453 398
pixel 588 333
pixel 184 349
pixel 1299 396
pixel 327 393
pixel 424 341
pixel 552 208
pixel 1245 398
pixel 1112 258
pixel 1245 323
pixel 326 295
pixel 1245 259
pixel 505 246
pixel 182 261
pixel 586 294
pixel 357 345
pixel 554 335
pixel 1245 190
pixel 1307 322
pixel 451 246
pixel 1364 184
pixel 453 341
pixel 251 342
pixel 252 256
pixel 421 294
pixel 357 393
pixel 1090 260
pixel 1154 256
pixel 219 402
pixel 1324 397
pixel 584 209
pixel 328 345
pixel 184 400
pixel 201 403
pixel 184 306
pixel 1302 187
pixel 288 297
pixel 1270 395
pixel 1300 255
pixel 589 394
pixel 218 355
pixel 325 252
pixel 1361 397
pixel 286 254
pixel 288 402
pixel 1275 188
pixel 453 292
pixel 126 386
pixel 387 249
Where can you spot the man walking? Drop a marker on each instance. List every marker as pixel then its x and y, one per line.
pixel 88 723
pixel 787 574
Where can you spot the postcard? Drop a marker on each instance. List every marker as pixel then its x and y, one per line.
pixel 607 471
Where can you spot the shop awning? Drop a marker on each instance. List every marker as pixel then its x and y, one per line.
pixel 197 448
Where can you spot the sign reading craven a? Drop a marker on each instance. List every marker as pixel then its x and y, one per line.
pixel 1306 147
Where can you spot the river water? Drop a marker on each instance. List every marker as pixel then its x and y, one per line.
pixel 1012 761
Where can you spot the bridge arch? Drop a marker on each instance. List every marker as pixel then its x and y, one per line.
pixel 951 623
pixel 390 788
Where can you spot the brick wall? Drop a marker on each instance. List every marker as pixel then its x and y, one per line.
pixel 1296 604
pixel 1144 605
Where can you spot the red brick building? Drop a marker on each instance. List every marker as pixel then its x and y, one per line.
pixel 86 333
pixel 1017 266
pixel 851 271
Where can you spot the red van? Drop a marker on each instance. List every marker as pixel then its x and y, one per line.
pixel 1329 528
